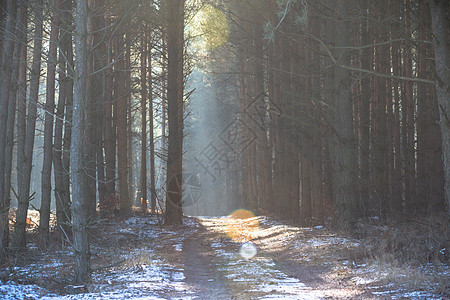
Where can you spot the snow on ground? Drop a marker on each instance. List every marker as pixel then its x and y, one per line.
pixel 142 272
pixel 11 290
pixel 139 259
pixel 261 274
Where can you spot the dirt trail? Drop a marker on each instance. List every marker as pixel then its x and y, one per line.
pixel 214 269
pixel 200 267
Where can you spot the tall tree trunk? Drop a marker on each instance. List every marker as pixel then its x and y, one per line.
pixel 100 65
pixel 79 183
pixel 303 91
pixel 22 96
pixel 26 154
pixel 365 111
pixel 61 172
pixel 143 172
pixel 244 161
pixel 397 185
pixel 317 137
pixel 265 153
pixel 175 47
pixel 91 112
pixel 60 198
pixel 430 173
pixel 11 118
pixel 298 95
pixel 5 83
pixel 2 25
pixel 284 129
pixel 130 156
pixel 250 128
pixel 46 179
pixel 18 80
pixel 342 149
pixel 274 92
pixel 68 49
pixel 408 108
pixel 164 93
pixel 122 129
pixel 441 42
pixel 152 132
pixel 110 140
pixel 380 130
pixel 19 43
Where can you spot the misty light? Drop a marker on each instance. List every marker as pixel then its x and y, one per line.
pixel 209 27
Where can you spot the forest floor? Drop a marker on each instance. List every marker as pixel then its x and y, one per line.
pixel 219 258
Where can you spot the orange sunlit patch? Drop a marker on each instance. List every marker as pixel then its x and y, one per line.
pixel 241 225
pixel 29 222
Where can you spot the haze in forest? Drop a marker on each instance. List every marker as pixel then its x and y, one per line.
pixel 118 116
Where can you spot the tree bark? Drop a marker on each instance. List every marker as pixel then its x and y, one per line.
pixel 46 178
pixel 11 118
pixel 5 83
pixel 22 96
pixel 397 182
pixel 408 109
pixel 92 110
pixel 264 153
pixel 78 150
pixel 441 42
pixel 380 116
pixel 18 79
pixel 122 129
pixel 175 47
pixel 68 49
pixel 430 173
pixel 152 133
pixel 342 149
pixel 26 154
pixel 109 130
pixel 130 125
pixel 100 64
pixel 143 171
pixel 284 130
pixel 61 172
pixel 274 92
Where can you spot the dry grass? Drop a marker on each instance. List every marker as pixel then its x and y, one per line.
pixel 416 242
pixel 411 255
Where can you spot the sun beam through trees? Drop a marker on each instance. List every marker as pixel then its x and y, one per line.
pixel 225 120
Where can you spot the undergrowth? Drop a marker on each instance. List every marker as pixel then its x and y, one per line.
pixel 413 254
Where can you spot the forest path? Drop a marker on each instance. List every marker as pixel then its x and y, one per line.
pixel 215 269
pixel 200 267
pixel 139 258
pixel 288 263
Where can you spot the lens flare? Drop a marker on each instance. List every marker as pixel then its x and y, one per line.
pixel 241 226
pixel 248 250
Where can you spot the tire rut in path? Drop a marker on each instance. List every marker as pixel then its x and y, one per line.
pixel 200 269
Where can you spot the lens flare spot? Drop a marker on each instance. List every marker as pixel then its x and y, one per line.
pixel 241 226
pixel 248 250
